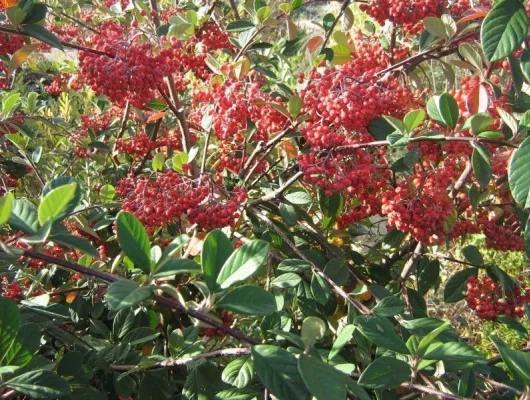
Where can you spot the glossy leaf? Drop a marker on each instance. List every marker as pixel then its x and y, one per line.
pixel 385 373
pixel 133 240
pixel 503 29
pixel 243 263
pixel 248 300
pixel 277 370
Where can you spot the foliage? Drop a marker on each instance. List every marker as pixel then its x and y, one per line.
pixel 209 200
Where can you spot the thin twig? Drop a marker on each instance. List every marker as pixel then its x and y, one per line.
pixel 159 299
pixel 345 5
pixel 175 362
pixel 336 288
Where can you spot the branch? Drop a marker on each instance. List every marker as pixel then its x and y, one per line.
pixel 277 193
pixel 345 5
pixel 175 362
pixel 337 289
pixel 65 44
pixel 159 299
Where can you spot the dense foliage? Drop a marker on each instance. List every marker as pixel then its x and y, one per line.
pixel 218 200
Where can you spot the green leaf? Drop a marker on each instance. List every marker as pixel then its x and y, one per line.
pixel 216 249
pixel 75 242
pixel 343 338
pixel 248 300
pixel 455 355
pixel 9 324
pixel 527 237
pixel 59 182
pixel 427 340
pixel 158 162
pixel 53 204
pixel 385 373
pixel 504 29
pixel 239 372
pixel 293 265
pixel 287 280
pixel 320 289
pixel 40 384
pixel 413 119
pixel 428 276
pixel 516 361
pixel 480 160
pixel 444 110
pixel 240 25
pixel 243 263
pixel 472 254
pixel 337 270
pixel 126 293
pixel 381 331
pixel 26 344
pixel 42 34
pixel 133 240
pixel 315 372
pixel 263 13
pixel 328 21
pixel 6 206
pixel 295 105
pixel 173 266
pixel 277 369
pixel 455 288
pixel 467 385
pixel 380 128
pixel 513 324
pixel 16 15
pixel 389 306
pixel 299 198
pixel 140 335
pixel 519 174
pixel 24 217
pixel 436 27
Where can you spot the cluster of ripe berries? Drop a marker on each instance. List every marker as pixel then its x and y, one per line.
pixel 488 299
pixel 128 70
pixel 142 144
pixel 165 199
pixel 11 290
pixel 408 13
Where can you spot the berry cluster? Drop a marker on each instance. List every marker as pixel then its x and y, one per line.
pixel 489 300
pixel 408 13
pixel 346 98
pixel 168 197
pixel 57 85
pixel 9 44
pixel 128 72
pixel 11 290
pixel 142 144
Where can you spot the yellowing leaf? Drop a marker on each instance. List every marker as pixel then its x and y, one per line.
pixel 290 149
pixel 157 116
pixel 9 3
pixel 70 297
pixel 19 57
pixel 314 43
